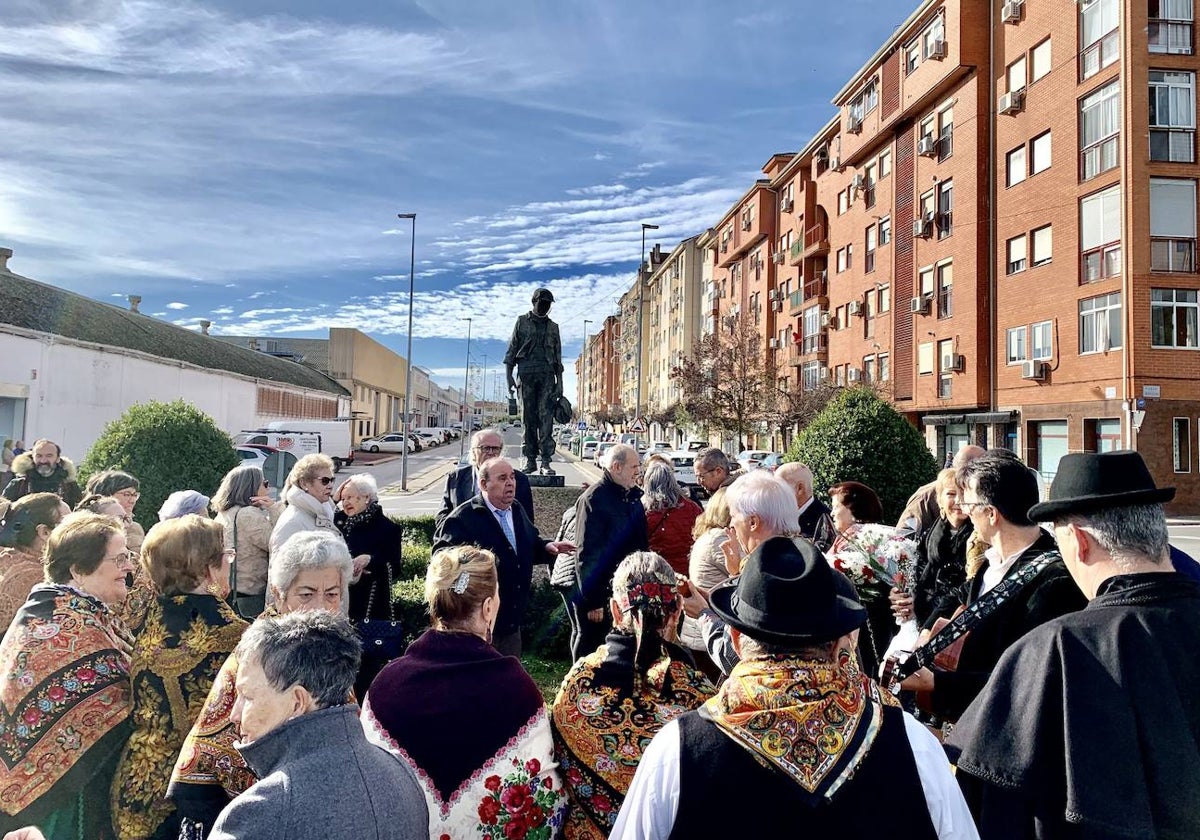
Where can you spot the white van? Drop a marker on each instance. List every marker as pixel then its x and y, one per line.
pixel 304 437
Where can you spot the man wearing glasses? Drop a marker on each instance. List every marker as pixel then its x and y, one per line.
pixel 996 490
pixel 462 484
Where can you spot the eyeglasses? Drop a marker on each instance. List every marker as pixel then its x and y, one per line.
pixel 968 505
pixel 128 493
pixel 486 449
pixel 326 480
pixel 266 483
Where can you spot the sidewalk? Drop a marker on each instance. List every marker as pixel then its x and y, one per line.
pixel 419 482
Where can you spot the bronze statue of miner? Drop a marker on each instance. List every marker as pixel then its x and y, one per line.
pixel 535 350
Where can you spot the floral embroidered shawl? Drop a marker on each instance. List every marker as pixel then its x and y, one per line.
pixel 603 720
pixel 64 687
pixel 815 721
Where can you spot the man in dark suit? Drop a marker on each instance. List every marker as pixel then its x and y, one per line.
pixel 495 520
pixel 816 523
pixel 463 483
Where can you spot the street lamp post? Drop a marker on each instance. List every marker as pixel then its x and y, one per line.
pixel 462 440
pixel 637 411
pixel 583 391
pixel 412 265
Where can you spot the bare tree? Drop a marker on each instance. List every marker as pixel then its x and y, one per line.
pixel 727 380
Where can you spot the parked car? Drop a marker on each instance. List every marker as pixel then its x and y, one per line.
pixel 771 462
pixel 254 456
pixel 603 448
pixel 695 445
pixel 428 439
pixel 684 465
pixel 659 446
pixel 749 459
pixel 384 443
pixel 588 453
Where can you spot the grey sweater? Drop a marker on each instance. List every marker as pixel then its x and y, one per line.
pixel 320 778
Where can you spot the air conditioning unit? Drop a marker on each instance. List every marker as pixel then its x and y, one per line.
pixel 919 305
pixel 1010 12
pixel 1012 102
pixel 927 146
pixel 920 228
pixel 937 49
pixel 777 305
pixel 773 343
pixel 778 258
pixel 958 363
pixel 853 374
pixel 1033 370
pixel 854 125
pixel 855 307
pixel 826 320
pixel 786 205
pixel 835 163
pixel 746 223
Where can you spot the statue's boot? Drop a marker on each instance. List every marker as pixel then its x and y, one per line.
pixel 546 468
pixel 530 466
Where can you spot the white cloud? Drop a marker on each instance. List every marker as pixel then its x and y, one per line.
pixel 177 305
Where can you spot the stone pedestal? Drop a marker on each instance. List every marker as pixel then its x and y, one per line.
pixel 536 480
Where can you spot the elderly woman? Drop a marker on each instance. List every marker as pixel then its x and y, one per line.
pixel 319 776
pixel 371 534
pixel 853 504
pixel 187 634
pixel 183 503
pixel 311 571
pixel 614 700
pixel 942 555
pixel 470 721
pixel 307 492
pixel 24 530
pixel 127 490
pixel 244 508
pixel 64 675
pixel 670 514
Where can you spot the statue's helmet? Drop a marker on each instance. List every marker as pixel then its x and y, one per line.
pixel 543 294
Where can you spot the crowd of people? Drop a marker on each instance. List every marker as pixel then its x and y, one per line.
pixel 241 674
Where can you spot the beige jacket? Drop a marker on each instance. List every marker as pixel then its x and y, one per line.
pixel 254 527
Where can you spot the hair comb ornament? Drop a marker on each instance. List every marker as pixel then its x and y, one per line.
pixel 460 583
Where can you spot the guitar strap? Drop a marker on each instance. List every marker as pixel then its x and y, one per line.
pixel 975 613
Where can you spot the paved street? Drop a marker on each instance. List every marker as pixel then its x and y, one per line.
pixel 427 472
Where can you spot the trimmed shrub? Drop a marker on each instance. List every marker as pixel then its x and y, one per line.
pixel 418 530
pixel 167 447
pixel 860 437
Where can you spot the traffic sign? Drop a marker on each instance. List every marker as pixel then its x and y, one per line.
pixel 581 425
pixel 639 425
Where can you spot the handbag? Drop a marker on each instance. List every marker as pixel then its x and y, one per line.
pixel 382 638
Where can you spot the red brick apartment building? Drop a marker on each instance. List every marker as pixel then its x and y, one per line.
pixel 999 226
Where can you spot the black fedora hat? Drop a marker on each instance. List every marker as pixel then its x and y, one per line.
pixel 1091 481
pixel 786 593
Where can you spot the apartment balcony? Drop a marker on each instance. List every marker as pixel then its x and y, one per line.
pixel 795 302
pixel 796 254
pixel 817 286
pixel 816 240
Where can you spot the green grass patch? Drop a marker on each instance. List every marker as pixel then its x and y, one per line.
pixel 547 673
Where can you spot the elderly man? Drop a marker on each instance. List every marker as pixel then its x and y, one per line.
pixel 796 723
pixel 306 745
pixel 463 483
pixel 714 470
pixel 1106 742
pixel 495 521
pixel 815 521
pixel 610 524
pixel 1021 584
pixel 43 469
pixel 921 510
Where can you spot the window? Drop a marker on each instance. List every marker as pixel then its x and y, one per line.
pixel 1100 234
pixel 945 209
pixel 810 375
pixel 1017 253
pixel 945 133
pixel 868 368
pixel 1099 38
pixel 865 102
pixel 945 354
pixel 933 39
pixel 945 290
pixel 925 281
pixel 843 201
pixel 843 259
pixel 1042 333
pixel 869 185
pixel 1015 341
pixel 1172 116
pixel 912 57
pixel 1040 60
pixel 1174 318
pixel 1039 153
pixel 1016 166
pixel 1181 432
pixel 1016 74
pixel 1043 245
pixel 885 298
pixel 1099 127
pixel 1169 28
pixel 885 230
pixel 885 367
pixel 1172 224
pixel 925 357
pixel 1100 323
pixel 885 163
pixel 869 260
pixel 928 205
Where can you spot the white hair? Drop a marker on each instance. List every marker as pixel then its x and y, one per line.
pixel 364 483
pixel 624 450
pixel 310 550
pixel 758 493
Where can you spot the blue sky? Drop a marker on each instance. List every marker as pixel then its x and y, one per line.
pixel 245 161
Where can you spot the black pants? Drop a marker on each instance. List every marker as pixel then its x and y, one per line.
pixel 538 395
pixel 586 635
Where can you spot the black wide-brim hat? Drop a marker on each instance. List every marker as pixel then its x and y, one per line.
pixel 1090 481
pixel 786 594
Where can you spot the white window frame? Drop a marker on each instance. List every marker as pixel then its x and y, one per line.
pixel 1040 61
pixel 1173 92
pixel 1041 341
pixel 1163 301
pixel 1170 33
pixel 1100 47
pixel 1103 311
pixel 1100 152
pixel 1040 153
pixel 1041 245
pixel 1016 254
pixel 1014 346
pixel 1016 166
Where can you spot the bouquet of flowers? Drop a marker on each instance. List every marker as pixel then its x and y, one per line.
pixel 523 805
pixel 877 554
